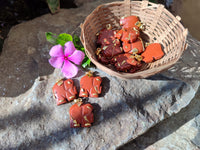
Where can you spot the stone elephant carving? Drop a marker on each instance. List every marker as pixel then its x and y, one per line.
pixel 90 86
pixel 64 91
pixel 81 115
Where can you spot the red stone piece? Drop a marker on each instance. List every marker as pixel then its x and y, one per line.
pixel 109 45
pixel 118 34
pixel 136 47
pixel 153 52
pixel 64 91
pixel 101 58
pixel 135 68
pixel 81 115
pixel 129 22
pixel 107 37
pixel 124 62
pixel 128 35
pixel 110 51
pixel 90 86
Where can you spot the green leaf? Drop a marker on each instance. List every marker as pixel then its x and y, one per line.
pixel 63 38
pixel 60 39
pixel 54 5
pixel 77 43
pixel 83 49
pixel 86 62
pixel 51 37
pixel 76 39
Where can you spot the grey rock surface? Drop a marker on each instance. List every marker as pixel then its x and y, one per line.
pixel 81 2
pixel 125 110
pixel 30 119
pixel 178 132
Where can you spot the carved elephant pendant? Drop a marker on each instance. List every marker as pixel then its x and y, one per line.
pixel 81 115
pixel 64 91
pixel 90 86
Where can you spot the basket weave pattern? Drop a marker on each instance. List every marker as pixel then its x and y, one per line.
pixel 161 27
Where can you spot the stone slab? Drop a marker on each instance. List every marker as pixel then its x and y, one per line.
pixel 125 110
pixel 30 119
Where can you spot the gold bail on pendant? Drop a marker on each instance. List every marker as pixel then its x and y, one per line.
pixel 78 100
pixel 89 74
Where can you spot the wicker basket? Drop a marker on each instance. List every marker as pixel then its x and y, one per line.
pixel 161 27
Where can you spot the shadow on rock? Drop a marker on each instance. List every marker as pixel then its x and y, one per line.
pixel 35 113
pixel 46 141
pixel 160 77
pixel 105 87
pixel 97 113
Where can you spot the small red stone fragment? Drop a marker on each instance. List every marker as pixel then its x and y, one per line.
pixel 118 34
pixel 124 62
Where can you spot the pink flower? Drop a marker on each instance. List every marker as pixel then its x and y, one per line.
pixel 63 60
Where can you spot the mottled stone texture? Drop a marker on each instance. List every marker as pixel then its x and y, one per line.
pixel 126 109
pixel 178 132
pixel 30 119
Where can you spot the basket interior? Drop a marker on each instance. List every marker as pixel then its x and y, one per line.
pixel 161 27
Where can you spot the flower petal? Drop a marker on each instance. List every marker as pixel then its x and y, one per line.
pixel 56 62
pixel 69 48
pixel 77 57
pixel 69 70
pixel 56 51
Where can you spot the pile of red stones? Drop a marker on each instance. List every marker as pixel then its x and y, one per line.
pixel 124 48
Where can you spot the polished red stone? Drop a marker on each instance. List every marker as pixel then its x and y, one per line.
pixel 81 115
pixel 64 91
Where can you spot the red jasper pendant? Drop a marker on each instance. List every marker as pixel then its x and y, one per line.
pixel 130 35
pixel 107 37
pixel 81 115
pixel 129 22
pixel 111 50
pixel 124 62
pixel 153 52
pixel 64 90
pixel 136 47
pixel 90 86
